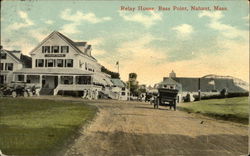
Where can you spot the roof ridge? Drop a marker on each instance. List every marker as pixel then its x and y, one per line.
pixel 73 44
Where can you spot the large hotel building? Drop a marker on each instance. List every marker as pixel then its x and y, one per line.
pixel 60 64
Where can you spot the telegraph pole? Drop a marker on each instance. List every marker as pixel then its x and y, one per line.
pixel 199 88
pixel 1 78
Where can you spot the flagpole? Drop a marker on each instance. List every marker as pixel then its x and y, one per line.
pixel 118 64
pixel 118 68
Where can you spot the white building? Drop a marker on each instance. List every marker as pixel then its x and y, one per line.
pixel 60 64
pixel 11 61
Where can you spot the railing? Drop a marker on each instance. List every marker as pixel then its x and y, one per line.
pixel 74 87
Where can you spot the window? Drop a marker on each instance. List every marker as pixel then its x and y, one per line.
pixel 39 63
pixel 55 49
pixel 50 63
pixel 3 56
pixel 46 49
pixel 9 66
pixel 68 63
pixel 66 79
pixel 59 62
pixel 123 93
pixel 20 77
pixel 64 49
pixel 1 66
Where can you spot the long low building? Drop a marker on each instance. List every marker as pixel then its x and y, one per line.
pixel 210 83
pixel 60 64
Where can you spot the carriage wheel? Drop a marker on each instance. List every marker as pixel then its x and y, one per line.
pixel 14 94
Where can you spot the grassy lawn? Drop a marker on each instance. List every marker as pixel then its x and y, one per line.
pixel 39 127
pixel 233 109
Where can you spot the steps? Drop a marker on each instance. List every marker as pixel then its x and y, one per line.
pixel 46 91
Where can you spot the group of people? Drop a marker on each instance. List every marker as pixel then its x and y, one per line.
pixel 90 94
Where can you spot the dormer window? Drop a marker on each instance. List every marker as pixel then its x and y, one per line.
pixel 64 49
pixel 55 49
pixel 46 49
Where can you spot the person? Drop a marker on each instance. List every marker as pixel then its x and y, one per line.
pixel 89 94
pixel 37 92
pixel 84 93
pixel 33 90
pixel 96 94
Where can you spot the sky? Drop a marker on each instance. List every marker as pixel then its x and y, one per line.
pixel 149 43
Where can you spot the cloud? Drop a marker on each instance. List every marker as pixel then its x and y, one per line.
pixel 183 30
pixel 26 21
pixel 77 18
pixel 216 15
pixel 246 19
pixel 226 30
pixel 146 20
pixel 137 55
pixel 80 16
pixel 39 34
pixel 70 28
pixel 96 44
pixel 49 22
pixel 98 52
pixel 24 45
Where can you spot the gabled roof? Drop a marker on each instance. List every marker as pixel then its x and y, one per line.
pixel 80 43
pixel 25 60
pixel 12 55
pixel 69 41
pixel 169 81
pixel 118 82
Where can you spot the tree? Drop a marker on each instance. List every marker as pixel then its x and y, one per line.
pixel 113 74
pixel 133 84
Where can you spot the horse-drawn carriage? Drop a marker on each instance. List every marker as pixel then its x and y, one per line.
pixel 166 97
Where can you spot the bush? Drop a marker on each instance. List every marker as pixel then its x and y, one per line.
pixel 222 95
pixel 230 95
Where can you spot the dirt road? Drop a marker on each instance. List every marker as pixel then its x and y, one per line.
pixel 135 128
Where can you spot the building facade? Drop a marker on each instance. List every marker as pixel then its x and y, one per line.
pixel 60 64
pixel 11 61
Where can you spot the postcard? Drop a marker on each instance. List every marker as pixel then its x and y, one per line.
pixel 102 78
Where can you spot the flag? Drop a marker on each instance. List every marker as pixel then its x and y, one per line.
pixel 117 63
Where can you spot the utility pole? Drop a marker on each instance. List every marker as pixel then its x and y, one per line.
pixel 1 78
pixel 199 88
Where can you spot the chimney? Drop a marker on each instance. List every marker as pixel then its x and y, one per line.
pixel 88 50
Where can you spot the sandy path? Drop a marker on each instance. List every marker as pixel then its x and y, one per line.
pixel 135 128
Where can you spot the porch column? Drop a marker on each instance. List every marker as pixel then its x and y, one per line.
pixel 25 78
pixel 59 79
pixel 74 79
pixel 41 80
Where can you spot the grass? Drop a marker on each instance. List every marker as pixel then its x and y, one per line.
pixel 40 127
pixel 232 109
